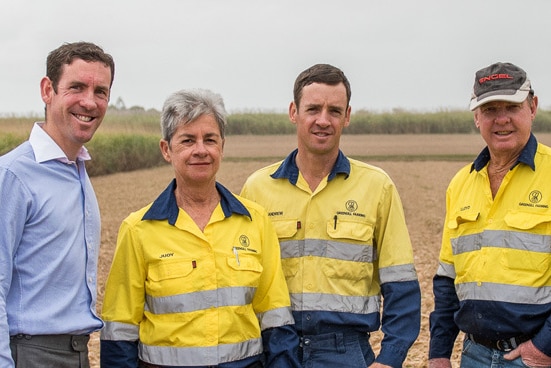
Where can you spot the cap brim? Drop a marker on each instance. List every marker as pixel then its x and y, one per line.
pixel 509 95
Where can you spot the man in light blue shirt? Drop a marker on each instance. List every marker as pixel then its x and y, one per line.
pixel 49 218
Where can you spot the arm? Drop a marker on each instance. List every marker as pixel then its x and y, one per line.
pixel 400 321
pixel 281 347
pixel 123 304
pixel 273 306
pixel 401 316
pixel 12 223
pixel 443 330
pixel 536 352
pixel 119 354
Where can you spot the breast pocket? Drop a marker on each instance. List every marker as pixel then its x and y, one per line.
pixel 350 252
pixel 530 245
pixel 246 270
pixel 357 231
pixel 166 277
pixel 285 228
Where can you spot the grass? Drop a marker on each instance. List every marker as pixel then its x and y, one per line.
pixel 128 139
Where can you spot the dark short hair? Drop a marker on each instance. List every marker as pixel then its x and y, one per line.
pixel 320 73
pixel 66 53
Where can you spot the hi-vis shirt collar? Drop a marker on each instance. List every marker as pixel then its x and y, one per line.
pixel 526 156
pixel 289 169
pixel 166 208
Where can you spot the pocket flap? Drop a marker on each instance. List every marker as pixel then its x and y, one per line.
pixel 170 270
pixel 346 229
pixel 525 220
pixel 285 228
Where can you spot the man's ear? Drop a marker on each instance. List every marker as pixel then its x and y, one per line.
pixel 293 111
pixel 46 90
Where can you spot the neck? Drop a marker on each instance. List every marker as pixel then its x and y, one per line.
pixel 205 196
pixel 315 167
pixel 502 164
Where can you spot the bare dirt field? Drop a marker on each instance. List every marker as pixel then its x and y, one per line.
pixel 421 184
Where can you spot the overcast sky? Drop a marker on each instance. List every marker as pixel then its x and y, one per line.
pixel 411 54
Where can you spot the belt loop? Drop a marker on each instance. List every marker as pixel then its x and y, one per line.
pixel 79 343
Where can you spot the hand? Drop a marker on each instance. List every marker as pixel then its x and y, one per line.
pixel 440 363
pixel 531 356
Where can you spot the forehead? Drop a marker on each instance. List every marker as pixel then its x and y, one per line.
pixel 203 125
pixel 93 72
pixel 316 93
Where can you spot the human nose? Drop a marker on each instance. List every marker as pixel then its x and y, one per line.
pixel 323 119
pixel 502 116
pixel 88 100
pixel 200 148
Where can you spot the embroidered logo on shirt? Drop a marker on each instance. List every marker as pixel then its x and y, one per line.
pixel 244 241
pixel 534 198
pixel 244 245
pixel 351 207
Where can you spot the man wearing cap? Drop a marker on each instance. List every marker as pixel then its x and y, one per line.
pixel 494 277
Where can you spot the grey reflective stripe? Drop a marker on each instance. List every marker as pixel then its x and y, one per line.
pixel 397 273
pixel 200 300
pixel 502 239
pixel 503 293
pixel 446 270
pixel 199 356
pixel 335 303
pixel 119 331
pixel 327 248
pixel 275 318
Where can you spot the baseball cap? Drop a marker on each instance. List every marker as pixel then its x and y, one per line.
pixel 500 82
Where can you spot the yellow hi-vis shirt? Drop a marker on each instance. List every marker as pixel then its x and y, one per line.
pixel 341 245
pixel 494 276
pixel 192 297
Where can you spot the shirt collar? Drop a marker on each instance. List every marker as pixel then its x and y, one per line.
pixel 166 208
pixel 45 148
pixel 526 155
pixel 289 169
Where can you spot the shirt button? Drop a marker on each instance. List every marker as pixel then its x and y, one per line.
pixel 306 342
pixel 308 317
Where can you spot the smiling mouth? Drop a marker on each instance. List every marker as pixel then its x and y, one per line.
pixel 83 118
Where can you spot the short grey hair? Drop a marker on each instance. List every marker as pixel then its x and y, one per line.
pixel 185 106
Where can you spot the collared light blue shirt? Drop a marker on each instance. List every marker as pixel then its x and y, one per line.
pixel 49 243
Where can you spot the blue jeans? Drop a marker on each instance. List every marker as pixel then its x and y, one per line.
pixel 343 350
pixel 478 356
